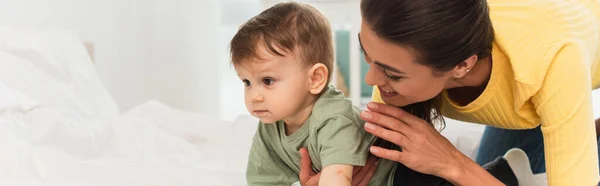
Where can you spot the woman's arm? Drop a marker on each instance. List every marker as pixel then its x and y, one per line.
pixel 565 109
pixel 424 149
pixel 467 172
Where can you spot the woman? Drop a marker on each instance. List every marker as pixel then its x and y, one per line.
pixel 525 68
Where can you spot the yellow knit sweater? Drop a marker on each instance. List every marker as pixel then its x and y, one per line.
pixel 545 64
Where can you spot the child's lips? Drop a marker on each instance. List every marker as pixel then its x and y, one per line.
pixel 260 112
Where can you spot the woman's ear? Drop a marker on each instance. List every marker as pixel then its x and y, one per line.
pixel 318 75
pixel 464 67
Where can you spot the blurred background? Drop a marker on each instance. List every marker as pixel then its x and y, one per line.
pixel 176 51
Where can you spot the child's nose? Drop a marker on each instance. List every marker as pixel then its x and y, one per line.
pixel 258 98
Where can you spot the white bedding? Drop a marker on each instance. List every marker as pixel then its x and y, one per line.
pixel 60 127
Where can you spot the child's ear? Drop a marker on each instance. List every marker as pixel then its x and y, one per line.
pixel 318 75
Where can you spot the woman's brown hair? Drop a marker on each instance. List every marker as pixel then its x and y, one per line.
pixel 442 33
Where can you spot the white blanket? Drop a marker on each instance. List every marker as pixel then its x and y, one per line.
pixel 59 126
pixel 154 145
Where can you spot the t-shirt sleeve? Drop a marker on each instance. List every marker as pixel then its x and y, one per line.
pixel 342 141
pixel 265 168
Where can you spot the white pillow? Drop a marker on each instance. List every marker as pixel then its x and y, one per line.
pixel 464 136
pixel 54 69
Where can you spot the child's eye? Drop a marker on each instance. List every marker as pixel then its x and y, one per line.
pixel 268 81
pixel 246 82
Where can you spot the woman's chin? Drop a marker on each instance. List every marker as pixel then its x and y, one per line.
pixel 393 102
pixel 398 103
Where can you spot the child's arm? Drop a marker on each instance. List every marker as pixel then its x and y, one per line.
pixel 336 175
pixel 342 144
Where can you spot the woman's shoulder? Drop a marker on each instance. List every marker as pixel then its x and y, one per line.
pixel 534 7
pixel 552 20
pixel 531 33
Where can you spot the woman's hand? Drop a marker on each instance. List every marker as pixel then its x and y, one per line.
pixel 360 175
pixel 424 149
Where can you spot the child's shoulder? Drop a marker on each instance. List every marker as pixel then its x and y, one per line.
pixel 333 104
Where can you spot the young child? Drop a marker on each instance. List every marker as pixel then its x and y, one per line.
pixel 284 57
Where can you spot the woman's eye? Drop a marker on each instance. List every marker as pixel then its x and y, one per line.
pixel 246 82
pixel 268 81
pixel 392 78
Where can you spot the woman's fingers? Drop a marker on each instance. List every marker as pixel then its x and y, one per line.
pixel 369 175
pixel 389 135
pixel 385 121
pixel 307 176
pixel 363 175
pixel 424 149
pixel 394 112
pixel 393 155
pixel 360 171
pixel 371 160
pixel 305 163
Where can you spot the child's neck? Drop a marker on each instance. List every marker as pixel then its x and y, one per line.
pixel 294 122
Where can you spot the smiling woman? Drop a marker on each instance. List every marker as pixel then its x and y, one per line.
pixel 512 74
pixel 421 105
pixel 448 57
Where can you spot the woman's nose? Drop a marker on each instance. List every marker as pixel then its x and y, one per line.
pixel 374 79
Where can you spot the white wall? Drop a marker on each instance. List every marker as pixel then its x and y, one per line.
pixel 233 14
pixel 144 49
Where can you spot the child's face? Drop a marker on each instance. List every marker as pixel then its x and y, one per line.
pixel 276 88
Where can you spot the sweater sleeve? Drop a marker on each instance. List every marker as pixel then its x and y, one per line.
pixel 565 108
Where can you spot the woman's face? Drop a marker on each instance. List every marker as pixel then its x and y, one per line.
pixel 394 70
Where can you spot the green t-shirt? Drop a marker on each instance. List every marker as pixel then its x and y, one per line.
pixel 333 134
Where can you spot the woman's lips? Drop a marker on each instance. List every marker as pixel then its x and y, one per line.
pixel 387 93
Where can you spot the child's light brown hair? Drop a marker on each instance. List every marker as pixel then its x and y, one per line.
pixel 286 28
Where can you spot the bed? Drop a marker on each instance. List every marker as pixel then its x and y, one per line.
pixel 59 126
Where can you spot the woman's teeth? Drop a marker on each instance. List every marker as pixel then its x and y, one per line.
pixel 388 91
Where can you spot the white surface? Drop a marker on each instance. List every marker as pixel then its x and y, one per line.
pixel 53 68
pixel 151 145
pixel 166 50
pixel 58 126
